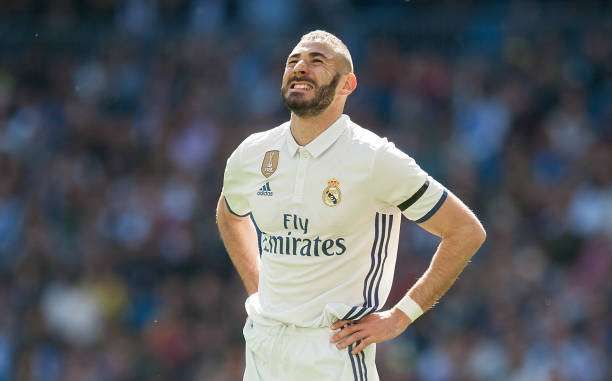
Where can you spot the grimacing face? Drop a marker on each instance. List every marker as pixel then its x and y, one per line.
pixel 310 79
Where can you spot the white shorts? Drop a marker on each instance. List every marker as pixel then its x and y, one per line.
pixel 287 353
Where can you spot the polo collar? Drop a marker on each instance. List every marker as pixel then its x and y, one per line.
pixel 321 142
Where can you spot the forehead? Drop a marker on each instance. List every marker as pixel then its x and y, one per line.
pixel 310 47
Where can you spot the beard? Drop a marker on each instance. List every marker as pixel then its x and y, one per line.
pixel 323 97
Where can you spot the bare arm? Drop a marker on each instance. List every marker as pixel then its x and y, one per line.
pixel 462 235
pixel 240 240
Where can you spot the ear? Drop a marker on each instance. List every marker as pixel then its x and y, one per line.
pixel 349 84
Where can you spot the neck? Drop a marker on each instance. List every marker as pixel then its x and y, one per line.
pixel 305 130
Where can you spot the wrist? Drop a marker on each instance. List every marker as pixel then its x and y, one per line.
pixel 401 317
pixel 411 309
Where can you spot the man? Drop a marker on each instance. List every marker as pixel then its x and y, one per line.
pixel 310 216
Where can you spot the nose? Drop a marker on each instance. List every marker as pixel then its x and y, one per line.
pixel 300 67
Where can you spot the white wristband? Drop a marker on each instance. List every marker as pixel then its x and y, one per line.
pixel 411 308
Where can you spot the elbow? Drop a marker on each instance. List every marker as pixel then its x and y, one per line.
pixel 477 235
pixel 481 234
pixel 471 236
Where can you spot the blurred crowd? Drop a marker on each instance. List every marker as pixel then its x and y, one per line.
pixel 116 118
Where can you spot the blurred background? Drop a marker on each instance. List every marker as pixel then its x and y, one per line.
pixel 116 118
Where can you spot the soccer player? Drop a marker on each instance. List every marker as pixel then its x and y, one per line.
pixel 310 216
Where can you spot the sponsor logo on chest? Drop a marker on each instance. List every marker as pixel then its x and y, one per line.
pixel 297 241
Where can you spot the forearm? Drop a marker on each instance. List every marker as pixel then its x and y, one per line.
pixel 240 240
pixel 451 257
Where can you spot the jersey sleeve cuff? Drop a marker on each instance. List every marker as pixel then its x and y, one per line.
pixel 232 210
pixel 434 209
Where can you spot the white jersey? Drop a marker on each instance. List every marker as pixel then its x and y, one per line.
pixel 328 219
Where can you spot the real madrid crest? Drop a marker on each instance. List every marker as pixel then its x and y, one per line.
pixel 269 163
pixel 331 193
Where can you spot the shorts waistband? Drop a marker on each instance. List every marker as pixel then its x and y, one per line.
pixel 289 329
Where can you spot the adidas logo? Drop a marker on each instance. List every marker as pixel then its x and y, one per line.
pixel 265 190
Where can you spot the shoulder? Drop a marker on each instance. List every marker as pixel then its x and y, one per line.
pixel 362 140
pixel 263 141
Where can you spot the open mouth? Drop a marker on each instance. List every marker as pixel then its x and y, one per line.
pixel 301 85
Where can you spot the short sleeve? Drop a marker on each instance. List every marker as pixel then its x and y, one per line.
pixel 399 181
pixel 235 186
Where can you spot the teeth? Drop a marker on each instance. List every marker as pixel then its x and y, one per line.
pixel 302 86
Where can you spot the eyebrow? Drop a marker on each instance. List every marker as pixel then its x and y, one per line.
pixel 312 55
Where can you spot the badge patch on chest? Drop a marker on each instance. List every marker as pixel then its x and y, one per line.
pixel 269 163
pixel 331 193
